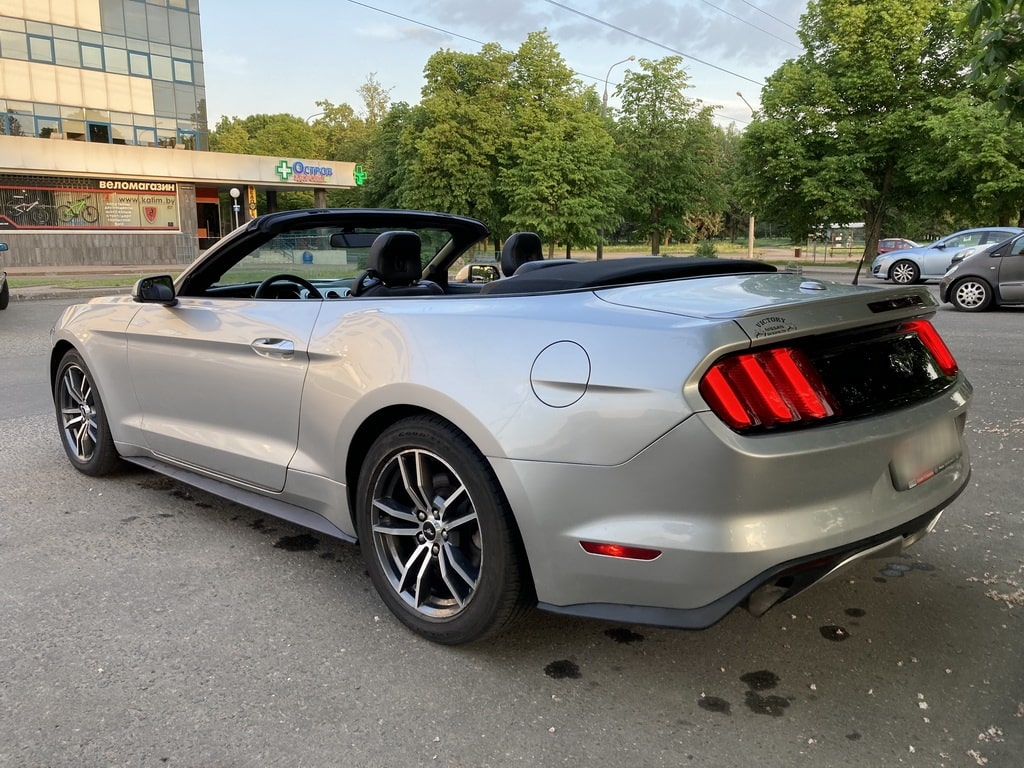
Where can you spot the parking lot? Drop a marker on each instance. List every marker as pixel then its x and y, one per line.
pixel 148 624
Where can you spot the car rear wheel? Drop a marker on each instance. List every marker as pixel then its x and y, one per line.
pixel 971 295
pixel 82 420
pixel 437 533
pixel 5 295
pixel 904 272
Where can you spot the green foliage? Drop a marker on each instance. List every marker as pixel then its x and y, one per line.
pixel 998 28
pixel 670 148
pixel 841 126
pixel 706 250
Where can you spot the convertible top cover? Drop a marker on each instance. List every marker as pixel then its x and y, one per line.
pixel 574 275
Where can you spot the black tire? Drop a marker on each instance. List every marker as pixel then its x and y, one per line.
pixel 437 534
pixel 64 213
pixel 904 272
pixel 82 420
pixel 40 215
pixel 5 295
pixel 90 215
pixel 971 294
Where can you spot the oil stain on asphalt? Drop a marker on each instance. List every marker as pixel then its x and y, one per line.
pixel 562 669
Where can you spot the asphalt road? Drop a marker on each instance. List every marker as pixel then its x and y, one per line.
pixel 146 624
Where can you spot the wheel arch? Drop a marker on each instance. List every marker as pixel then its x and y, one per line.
pixel 60 348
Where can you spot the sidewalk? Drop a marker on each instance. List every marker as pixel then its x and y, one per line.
pixel 72 295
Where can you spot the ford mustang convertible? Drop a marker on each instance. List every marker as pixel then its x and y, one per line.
pixel 640 440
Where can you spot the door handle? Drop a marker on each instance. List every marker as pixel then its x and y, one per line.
pixel 279 349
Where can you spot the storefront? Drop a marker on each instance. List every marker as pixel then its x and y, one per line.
pixel 72 204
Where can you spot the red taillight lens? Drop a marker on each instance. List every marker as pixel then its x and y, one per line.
pixel 770 388
pixel 934 344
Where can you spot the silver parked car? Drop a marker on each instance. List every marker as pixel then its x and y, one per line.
pixel 643 440
pixel 930 262
pixel 990 277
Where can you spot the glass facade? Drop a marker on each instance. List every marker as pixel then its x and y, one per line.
pixel 108 71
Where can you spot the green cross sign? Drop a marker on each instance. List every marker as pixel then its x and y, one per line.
pixel 283 169
pixel 359 174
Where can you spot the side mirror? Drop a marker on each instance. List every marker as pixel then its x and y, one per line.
pixel 3 246
pixel 155 290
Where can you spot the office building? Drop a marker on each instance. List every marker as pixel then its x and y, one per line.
pixel 104 137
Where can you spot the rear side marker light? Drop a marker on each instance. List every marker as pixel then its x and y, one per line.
pixel 620 551
pixel 770 388
pixel 933 343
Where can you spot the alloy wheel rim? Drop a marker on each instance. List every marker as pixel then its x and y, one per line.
pixel 79 418
pixel 970 295
pixel 903 274
pixel 426 533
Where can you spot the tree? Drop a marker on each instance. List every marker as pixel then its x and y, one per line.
pixel 454 151
pixel 669 148
pixel 840 125
pixel 998 27
pixel 981 177
pixel 559 172
pixel 388 159
pixel 565 182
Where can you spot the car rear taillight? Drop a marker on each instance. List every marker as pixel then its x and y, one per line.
pixel 934 344
pixel 843 376
pixel 770 388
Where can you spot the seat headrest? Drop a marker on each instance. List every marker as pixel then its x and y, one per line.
pixel 519 249
pixel 396 257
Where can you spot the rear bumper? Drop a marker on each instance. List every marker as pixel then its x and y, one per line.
pixel 766 589
pixel 729 515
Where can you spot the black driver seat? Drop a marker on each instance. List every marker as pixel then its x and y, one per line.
pixel 393 268
pixel 520 248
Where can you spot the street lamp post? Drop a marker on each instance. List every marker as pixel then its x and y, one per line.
pixel 604 112
pixel 750 225
pixel 235 193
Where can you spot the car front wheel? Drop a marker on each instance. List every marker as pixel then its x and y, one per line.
pixel 82 420
pixel 437 534
pixel 904 272
pixel 5 295
pixel 971 295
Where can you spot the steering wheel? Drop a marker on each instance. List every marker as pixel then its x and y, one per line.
pixel 264 288
pixel 366 279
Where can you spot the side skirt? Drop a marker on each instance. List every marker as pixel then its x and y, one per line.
pixel 265 504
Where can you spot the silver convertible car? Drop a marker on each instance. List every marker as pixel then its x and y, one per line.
pixel 640 440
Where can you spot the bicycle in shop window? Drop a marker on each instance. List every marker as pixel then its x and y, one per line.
pixel 68 212
pixel 35 211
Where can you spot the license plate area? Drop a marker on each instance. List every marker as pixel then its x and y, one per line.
pixel 923 455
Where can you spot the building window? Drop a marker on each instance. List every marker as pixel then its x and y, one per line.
pixel 48 127
pixel 99 133
pixel 116 60
pixel 145 137
pixel 182 71
pixel 13 45
pixel 161 68
pixel 138 64
pixel 40 49
pixel 92 56
pixel 66 53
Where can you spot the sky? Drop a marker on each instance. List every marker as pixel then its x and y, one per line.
pixel 282 56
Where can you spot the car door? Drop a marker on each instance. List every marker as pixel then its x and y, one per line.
pixel 935 260
pixel 219 382
pixel 1011 274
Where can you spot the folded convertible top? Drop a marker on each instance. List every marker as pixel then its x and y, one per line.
pixel 558 275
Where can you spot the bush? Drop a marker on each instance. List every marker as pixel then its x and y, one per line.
pixel 706 250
